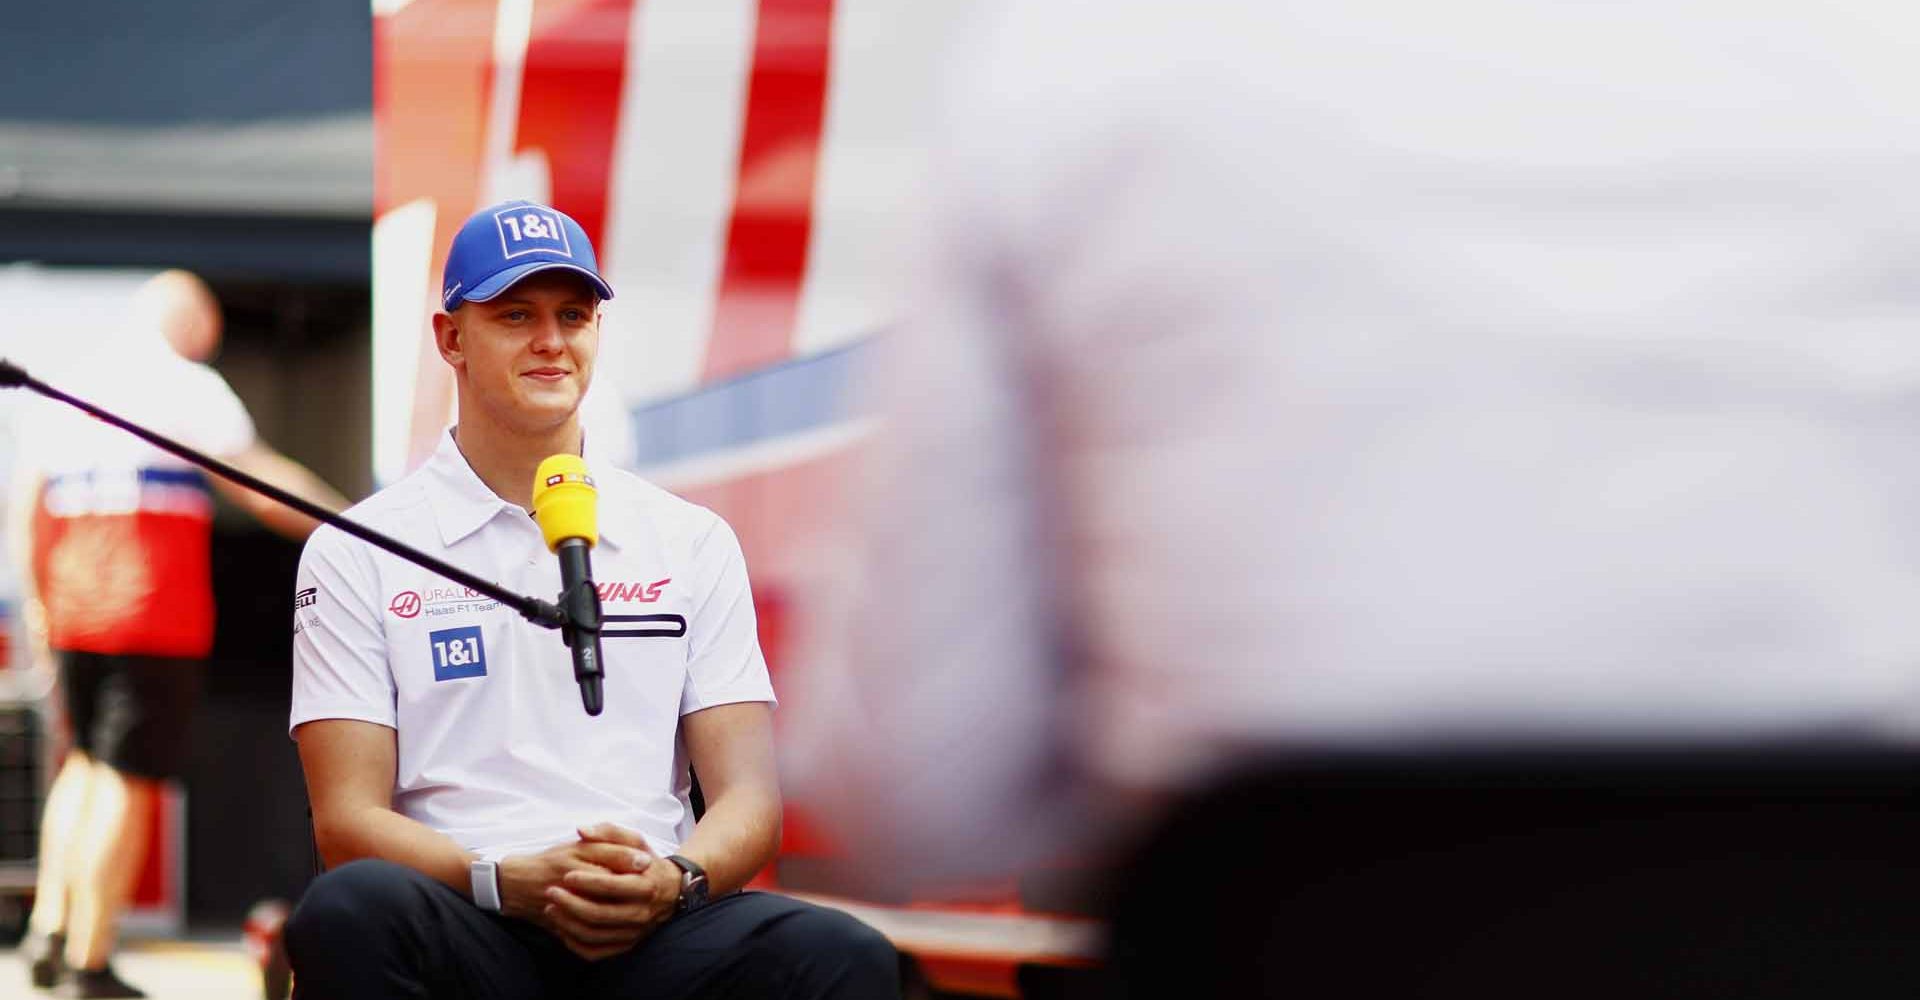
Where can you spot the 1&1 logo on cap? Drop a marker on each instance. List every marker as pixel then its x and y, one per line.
pixel 457 653
pixel 526 230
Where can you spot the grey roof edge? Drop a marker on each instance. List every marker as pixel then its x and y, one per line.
pixel 317 167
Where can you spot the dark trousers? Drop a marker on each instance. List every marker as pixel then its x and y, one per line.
pixel 1763 872
pixel 374 929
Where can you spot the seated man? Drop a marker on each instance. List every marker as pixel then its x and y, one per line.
pixel 485 837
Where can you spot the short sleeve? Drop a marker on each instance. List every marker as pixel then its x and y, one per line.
pixel 340 666
pixel 724 662
pixel 210 417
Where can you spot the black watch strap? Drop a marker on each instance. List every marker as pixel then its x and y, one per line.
pixel 693 884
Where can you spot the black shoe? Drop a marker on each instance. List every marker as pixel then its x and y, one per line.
pixel 46 958
pixel 94 983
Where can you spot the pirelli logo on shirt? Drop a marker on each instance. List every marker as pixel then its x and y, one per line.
pixel 304 598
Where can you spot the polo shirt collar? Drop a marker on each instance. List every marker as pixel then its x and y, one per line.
pixel 463 503
pixel 614 500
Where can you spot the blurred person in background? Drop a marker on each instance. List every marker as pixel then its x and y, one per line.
pixel 113 537
pixel 1375 375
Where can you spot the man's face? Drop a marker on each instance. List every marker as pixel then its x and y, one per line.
pixel 527 355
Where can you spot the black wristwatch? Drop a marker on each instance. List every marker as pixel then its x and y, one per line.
pixel 693 884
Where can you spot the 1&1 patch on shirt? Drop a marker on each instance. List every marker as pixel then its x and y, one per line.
pixel 457 653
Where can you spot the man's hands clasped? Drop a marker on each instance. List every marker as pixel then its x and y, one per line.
pixel 600 895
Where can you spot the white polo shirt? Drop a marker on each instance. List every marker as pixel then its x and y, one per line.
pixel 494 748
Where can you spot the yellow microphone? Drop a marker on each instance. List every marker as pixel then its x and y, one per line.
pixel 565 505
pixel 565 502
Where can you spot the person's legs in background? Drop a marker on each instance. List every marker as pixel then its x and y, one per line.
pixel 93 842
pixel 130 717
pixel 60 822
pixel 104 860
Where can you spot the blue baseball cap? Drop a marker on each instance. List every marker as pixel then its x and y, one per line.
pixel 503 243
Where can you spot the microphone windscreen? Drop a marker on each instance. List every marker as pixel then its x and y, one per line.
pixel 565 501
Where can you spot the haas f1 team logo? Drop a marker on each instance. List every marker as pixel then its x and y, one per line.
pixel 406 604
pixel 409 603
pixel 643 593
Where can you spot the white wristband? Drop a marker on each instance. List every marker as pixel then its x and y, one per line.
pixel 485 878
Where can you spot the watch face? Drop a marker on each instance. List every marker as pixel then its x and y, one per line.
pixel 693 891
pixel 485 877
pixel 693 884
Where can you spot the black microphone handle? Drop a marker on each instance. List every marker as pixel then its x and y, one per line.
pixel 581 602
